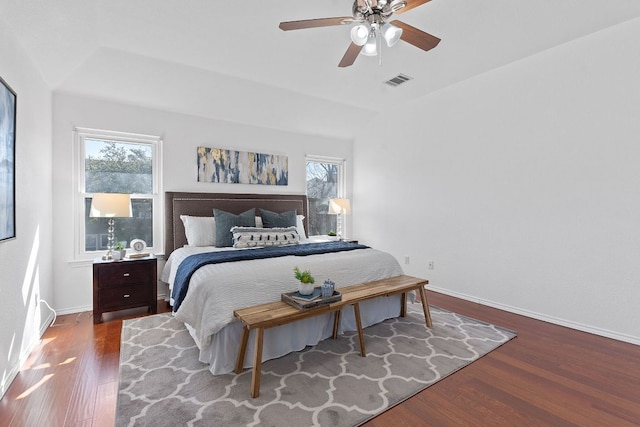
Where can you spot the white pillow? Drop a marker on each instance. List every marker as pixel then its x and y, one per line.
pixel 250 237
pixel 200 230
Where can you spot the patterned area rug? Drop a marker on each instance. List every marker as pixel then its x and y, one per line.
pixel 163 383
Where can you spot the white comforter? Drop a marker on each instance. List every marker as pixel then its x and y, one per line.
pixel 216 290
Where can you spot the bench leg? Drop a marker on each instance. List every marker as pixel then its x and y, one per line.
pixel 356 310
pixel 336 323
pixel 243 350
pixel 425 306
pixel 403 304
pixel 257 364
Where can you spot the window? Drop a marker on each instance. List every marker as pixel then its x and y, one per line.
pixel 114 162
pixel 325 180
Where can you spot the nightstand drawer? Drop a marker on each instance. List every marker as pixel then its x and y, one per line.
pixel 124 296
pixel 124 273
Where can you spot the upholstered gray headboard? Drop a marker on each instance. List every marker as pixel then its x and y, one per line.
pixel 202 204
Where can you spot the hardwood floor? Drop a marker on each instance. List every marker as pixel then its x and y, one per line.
pixel 549 376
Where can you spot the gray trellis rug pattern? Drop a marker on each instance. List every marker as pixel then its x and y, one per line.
pixel 162 383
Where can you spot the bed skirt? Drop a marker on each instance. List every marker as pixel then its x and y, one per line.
pixel 222 353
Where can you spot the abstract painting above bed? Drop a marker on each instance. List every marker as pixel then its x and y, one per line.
pixel 241 167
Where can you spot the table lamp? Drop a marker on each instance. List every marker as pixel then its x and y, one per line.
pixel 110 205
pixel 339 207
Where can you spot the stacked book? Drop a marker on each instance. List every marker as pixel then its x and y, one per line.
pixel 305 302
pixel 316 294
pixel 138 255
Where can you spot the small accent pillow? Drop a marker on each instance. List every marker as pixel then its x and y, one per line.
pixel 250 237
pixel 225 221
pixel 273 219
pixel 200 230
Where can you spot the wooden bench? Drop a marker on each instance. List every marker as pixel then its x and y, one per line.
pixel 265 316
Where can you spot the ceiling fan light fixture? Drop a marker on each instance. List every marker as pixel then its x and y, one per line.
pixel 391 33
pixel 369 27
pixel 360 34
pixel 370 48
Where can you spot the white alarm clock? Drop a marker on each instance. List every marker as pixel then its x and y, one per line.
pixel 138 245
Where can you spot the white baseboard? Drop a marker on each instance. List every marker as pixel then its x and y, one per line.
pixel 73 310
pixel 534 315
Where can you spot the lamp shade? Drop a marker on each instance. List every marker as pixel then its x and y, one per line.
pixel 370 48
pixel 391 33
pixel 360 34
pixel 339 206
pixel 110 205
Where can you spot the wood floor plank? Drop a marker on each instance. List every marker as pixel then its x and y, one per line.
pixel 106 401
pixel 548 376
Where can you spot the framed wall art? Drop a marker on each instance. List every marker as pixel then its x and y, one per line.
pixel 8 100
pixel 241 167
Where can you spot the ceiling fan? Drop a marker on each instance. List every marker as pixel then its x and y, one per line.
pixel 372 25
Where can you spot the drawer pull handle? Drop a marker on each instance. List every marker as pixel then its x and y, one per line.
pixel 126 274
pixel 127 295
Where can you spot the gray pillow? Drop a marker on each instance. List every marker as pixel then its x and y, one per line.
pixel 225 221
pixel 274 219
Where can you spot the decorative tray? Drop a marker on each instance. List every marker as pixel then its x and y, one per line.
pixel 304 302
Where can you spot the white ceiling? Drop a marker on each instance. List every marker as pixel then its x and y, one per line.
pixel 216 58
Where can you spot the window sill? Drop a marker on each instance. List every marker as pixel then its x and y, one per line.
pixel 81 263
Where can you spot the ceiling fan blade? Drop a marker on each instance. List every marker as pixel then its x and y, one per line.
pixel 416 37
pixel 411 4
pixel 350 55
pixel 313 23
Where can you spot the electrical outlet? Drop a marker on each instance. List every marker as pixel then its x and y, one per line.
pixel 430 265
pixel 406 259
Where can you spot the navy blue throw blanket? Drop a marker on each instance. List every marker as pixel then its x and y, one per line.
pixel 194 262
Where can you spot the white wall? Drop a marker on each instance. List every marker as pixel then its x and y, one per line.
pixel 181 136
pixel 523 185
pixel 25 262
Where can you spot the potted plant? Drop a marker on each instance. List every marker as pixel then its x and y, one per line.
pixel 305 287
pixel 332 235
pixel 119 251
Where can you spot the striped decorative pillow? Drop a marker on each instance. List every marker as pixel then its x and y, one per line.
pixel 250 237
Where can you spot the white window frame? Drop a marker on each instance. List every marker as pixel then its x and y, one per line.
pixel 341 164
pixel 155 142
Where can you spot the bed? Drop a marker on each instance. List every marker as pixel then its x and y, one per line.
pixel 215 290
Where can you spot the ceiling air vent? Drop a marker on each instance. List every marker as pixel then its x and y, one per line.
pixel 398 80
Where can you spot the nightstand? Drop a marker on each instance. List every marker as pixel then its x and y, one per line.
pixel 128 283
